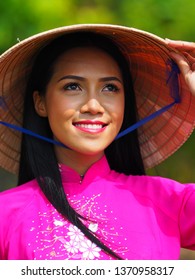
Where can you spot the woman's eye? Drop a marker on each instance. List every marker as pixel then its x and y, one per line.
pixel 111 88
pixel 72 86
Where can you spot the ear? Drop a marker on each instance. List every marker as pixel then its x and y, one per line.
pixel 39 103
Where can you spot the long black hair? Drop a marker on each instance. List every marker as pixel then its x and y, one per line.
pixel 38 160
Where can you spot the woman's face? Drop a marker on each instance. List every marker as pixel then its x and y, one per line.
pixel 84 101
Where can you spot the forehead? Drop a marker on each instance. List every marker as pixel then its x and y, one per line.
pixel 86 56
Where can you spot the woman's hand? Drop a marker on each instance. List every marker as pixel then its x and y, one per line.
pixel 185 59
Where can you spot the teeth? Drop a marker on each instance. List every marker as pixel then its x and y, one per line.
pixel 90 126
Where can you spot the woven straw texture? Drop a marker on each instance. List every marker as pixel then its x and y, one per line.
pixel 148 57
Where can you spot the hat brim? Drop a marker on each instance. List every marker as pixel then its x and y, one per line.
pixel 147 55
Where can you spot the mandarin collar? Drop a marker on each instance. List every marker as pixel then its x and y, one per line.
pixel 97 170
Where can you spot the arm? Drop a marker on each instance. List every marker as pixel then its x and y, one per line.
pixel 185 58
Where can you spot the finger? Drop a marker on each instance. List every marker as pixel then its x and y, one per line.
pixel 193 67
pixel 181 62
pixel 180 44
pixel 190 58
pixel 186 70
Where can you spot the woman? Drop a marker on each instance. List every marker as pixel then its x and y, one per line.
pixel 83 190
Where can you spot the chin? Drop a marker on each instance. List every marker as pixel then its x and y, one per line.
pixel 90 151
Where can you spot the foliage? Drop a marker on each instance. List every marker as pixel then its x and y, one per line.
pixel 167 18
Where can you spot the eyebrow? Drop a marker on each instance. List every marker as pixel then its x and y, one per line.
pixel 107 79
pixel 104 79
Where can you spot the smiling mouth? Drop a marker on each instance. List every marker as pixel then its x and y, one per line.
pixel 91 128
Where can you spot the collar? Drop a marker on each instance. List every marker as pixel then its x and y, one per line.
pixel 96 171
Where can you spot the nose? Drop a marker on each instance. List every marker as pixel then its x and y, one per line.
pixel 92 106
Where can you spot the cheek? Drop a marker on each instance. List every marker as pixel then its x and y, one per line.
pixel 60 108
pixel 118 112
pixel 61 116
pixel 119 116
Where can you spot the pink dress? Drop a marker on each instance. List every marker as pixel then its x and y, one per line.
pixel 139 217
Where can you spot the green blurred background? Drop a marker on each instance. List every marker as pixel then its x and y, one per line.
pixel 173 19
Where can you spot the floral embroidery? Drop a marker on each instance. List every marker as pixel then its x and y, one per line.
pixel 58 223
pixel 75 233
pixel 71 246
pixel 90 250
pixel 93 227
pixel 56 238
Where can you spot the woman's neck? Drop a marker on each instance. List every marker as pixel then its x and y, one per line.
pixel 77 161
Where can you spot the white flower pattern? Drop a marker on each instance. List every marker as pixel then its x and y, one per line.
pixel 75 233
pixel 90 250
pixel 58 223
pixel 93 227
pixel 56 238
pixel 71 246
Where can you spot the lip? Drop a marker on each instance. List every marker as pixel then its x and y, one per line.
pixel 90 126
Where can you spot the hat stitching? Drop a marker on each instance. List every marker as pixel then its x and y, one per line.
pixel 146 54
pixel 172 81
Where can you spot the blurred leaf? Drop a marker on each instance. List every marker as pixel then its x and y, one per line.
pixel 167 18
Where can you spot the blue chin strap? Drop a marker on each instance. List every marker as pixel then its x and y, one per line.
pixel 172 82
pixel 31 133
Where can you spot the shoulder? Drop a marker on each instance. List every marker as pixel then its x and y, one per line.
pixel 163 193
pixel 151 185
pixel 16 199
pixel 15 207
pixel 22 190
pixel 16 203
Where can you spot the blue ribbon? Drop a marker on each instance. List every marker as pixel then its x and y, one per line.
pixel 172 81
pixel 31 133
pixel 2 103
pixel 145 120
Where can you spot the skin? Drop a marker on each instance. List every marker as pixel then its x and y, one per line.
pixel 91 100
pixel 185 61
pixel 83 89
